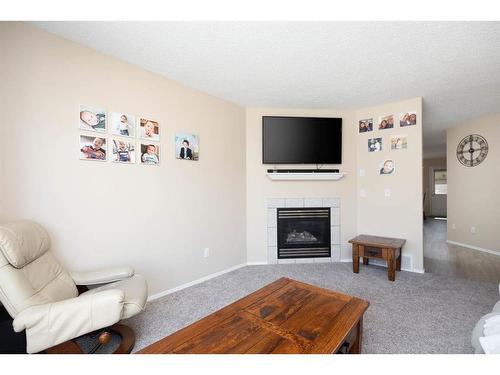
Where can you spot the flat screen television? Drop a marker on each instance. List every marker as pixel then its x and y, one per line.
pixel 301 140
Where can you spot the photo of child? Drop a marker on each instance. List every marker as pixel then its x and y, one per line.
pixel 150 154
pixel 374 144
pixel 92 119
pixel 123 124
pixel 123 151
pixel 186 147
pixel 92 148
pixel 366 125
pixel 149 129
pixel 408 119
pixel 399 142
pixel 387 167
pixel 386 122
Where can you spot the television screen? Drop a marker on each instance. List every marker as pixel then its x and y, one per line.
pixel 301 140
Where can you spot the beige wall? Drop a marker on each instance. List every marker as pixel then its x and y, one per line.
pixel 427 165
pixel 260 187
pixel 169 213
pixel 157 219
pixel 399 215
pixel 473 199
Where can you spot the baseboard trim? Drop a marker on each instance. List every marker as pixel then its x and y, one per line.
pixel 414 270
pixel 197 281
pixel 256 263
pixel 473 247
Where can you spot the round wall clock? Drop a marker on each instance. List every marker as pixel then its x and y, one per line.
pixel 472 150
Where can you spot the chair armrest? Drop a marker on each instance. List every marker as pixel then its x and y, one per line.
pixel 53 323
pixel 102 276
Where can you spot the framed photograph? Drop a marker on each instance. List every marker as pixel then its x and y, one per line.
pixel 408 118
pixel 149 154
pixel 92 148
pixel 186 146
pixel 122 124
pixel 149 129
pixel 374 144
pixel 92 119
pixel 386 122
pixel 399 142
pixel 366 125
pixel 123 151
pixel 387 167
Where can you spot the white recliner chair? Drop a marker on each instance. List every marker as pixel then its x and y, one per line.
pixel 43 299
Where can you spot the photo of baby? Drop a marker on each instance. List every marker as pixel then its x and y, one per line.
pixel 123 151
pixel 123 124
pixel 387 167
pixel 92 119
pixel 408 119
pixel 149 129
pixel 374 144
pixel 92 148
pixel 366 125
pixel 399 142
pixel 386 122
pixel 150 154
pixel 186 147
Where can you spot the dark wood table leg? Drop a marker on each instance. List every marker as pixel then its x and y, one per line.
pixel 356 347
pixel 391 265
pixel 398 261
pixel 365 260
pixel 355 258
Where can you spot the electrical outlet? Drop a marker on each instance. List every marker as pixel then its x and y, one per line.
pixel 206 252
pixel 453 226
pixel 362 193
pixel 473 229
pixel 362 173
pixel 387 193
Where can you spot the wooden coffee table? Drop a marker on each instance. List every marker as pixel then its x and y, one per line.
pixel 386 248
pixel 285 316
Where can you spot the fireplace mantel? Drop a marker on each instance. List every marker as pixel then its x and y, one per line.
pixel 296 176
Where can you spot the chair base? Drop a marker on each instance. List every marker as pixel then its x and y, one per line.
pixel 126 345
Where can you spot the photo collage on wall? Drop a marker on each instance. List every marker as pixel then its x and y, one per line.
pixel 394 143
pixel 134 139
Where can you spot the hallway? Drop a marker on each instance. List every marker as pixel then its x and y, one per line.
pixel 444 259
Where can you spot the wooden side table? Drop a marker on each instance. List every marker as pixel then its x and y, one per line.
pixel 386 248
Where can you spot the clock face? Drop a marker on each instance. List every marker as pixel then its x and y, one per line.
pixel 472 150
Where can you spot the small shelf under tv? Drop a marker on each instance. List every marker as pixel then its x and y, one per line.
pixel 306 175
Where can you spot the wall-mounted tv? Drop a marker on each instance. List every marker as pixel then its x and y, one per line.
pixel 301 140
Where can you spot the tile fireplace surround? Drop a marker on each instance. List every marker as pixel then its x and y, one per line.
pixel 272 236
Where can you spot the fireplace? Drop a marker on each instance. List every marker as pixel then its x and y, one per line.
pixel 303 232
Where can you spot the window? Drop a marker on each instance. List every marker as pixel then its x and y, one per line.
pixel 440 182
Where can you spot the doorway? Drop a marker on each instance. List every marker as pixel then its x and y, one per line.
pixel 438 192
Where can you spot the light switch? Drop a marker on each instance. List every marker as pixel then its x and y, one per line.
pixel 362 193
pixel 362 173
pixel 387 192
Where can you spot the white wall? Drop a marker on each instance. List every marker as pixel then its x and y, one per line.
pixel 157 219
pixel 473 198
pixel 399 215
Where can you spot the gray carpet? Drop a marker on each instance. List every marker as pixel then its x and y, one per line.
pixel 415 314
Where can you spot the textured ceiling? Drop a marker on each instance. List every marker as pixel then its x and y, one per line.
pixel 454 66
